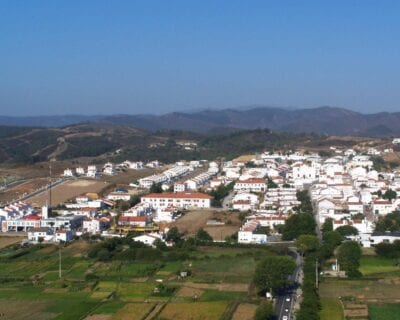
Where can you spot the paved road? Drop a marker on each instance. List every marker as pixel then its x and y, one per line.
pixel 284 305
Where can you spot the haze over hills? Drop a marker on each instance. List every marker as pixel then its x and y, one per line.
pixel 323 120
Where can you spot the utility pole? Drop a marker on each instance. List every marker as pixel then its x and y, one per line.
pixel 59 262
pixel 316 273
pixel 50 188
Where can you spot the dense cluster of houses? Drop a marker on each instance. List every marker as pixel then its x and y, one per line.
pixel 109 169
pixel 84 215
pixel 344 188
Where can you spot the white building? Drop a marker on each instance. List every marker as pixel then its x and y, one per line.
pixel 80 171
pixel 148 238
pixel 178 200
pixel 179 187
pixel 372 239
pixel 41 234
pixel 109 169
pixel 251 185
pixel 382 207
pixel 95 225
pixel 115 196
pixel 91 172
pixel 68 173
pixel 248 234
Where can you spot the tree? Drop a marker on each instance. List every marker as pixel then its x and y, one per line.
pixel 349 255
pixel 103 255
pixel 327 226
pixel 271 184
pixel 331 240
pixel 220 193
pixel 265 311
pixel 388 250
pixel 305 205
pixel 307 243
pixel 156 188
pixel 272 273
pixel 134 200
pixel 203 235
pixel 174 235
pixel 391 222
pixel 347 231
pixel 159 244
pixel 298 224
pixel 389 195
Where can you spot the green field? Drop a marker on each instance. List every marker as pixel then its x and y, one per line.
pixel 384 312
pixel 331 309
pixel 122 288
pixel 371 265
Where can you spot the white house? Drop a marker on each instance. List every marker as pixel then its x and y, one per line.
pixel 64 235
pixel 95 225
pixel 242 205
pixel 80 171
pixel 109 169
pixel 179 186
pixel 372 239
pixel 68 173
pixel 382 207
pixel 92 172
pixel 117 195
pixel 248 233
pixel 41 234
pixel 148 238
pixel 363 226
pixel 168 214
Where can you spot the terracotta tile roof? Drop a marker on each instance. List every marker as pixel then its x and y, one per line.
pixel 178 195
pixel 252 180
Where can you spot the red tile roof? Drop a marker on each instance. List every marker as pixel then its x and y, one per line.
pixel 178 195
pixel 252 180
pixel 140 218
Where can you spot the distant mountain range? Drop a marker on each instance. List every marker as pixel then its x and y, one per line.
pixel 322 120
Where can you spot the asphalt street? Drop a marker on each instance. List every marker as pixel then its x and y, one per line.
pixel 284 305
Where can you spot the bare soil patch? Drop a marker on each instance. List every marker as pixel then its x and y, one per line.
pixel 12 194
pixel 6 241
pixel 68 190
pixel 193 221
pixel 196 219
pixel 24 309
pixel 245 311
pixel 221 232
pixel 189 292
pixel 99 317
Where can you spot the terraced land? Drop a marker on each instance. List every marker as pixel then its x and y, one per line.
pixel 218 285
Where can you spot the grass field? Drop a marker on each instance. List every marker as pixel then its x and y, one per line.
pixel 367 290
pixel 331 309
pixel 120 289
pixel 134 311
pixel 384 312
pixel 371 265
pixel 193 311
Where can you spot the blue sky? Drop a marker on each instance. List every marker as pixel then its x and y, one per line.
pixel 104 57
